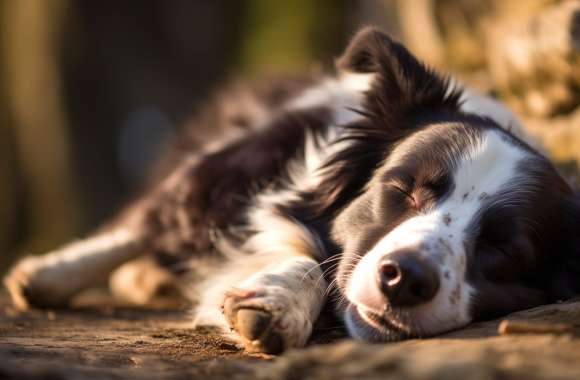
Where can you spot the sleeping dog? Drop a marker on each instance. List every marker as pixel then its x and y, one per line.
pixel 407 202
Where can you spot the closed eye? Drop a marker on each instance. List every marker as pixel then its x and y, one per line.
pixel 502 251
pixel 404 192
pixel 498 250
pixel 401 190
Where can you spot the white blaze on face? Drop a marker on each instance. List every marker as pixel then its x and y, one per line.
pixel 439 235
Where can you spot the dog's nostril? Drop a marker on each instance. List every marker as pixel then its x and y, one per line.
pixel 390 272
pixel 407 280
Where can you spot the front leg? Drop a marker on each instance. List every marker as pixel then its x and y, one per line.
pixel 52 279
pixel 275 309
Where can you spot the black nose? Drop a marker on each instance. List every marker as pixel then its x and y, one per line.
pixel 407 279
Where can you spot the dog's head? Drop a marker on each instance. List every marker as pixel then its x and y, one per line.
pixel 457 220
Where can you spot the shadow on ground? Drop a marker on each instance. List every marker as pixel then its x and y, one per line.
pixel 102 341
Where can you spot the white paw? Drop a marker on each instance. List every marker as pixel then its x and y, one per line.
pixel 33 281
pixel 269 319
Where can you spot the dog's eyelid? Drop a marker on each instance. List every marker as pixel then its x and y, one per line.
pixel 502 250
pixel 497 248
pixel 397 184
pixel 402 180
pixel 402 189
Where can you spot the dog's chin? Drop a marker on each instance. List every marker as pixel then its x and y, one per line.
pixel 371 327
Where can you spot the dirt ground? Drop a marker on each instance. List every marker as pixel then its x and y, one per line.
pixel 98 340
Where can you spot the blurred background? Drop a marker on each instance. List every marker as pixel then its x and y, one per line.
pixel 90 91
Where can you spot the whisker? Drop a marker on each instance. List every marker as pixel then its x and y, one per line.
pixel 330 259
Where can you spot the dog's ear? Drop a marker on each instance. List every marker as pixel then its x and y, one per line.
pixel 362 52
pixel 402 83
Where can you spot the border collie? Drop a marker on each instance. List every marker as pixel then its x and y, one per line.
pixel 385 189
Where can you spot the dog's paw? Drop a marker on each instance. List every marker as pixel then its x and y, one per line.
pixel 32 282
pixel 266 320
pixel 139 281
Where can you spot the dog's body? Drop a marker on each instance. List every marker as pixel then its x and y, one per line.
pixel 381 189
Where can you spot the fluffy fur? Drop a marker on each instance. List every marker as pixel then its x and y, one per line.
pixel 415 203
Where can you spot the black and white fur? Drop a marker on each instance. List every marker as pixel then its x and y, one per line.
pixel 304 197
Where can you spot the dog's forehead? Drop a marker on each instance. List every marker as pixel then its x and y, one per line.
pixel 488 157
pixel 443 143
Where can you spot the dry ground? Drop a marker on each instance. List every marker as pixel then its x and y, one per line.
pixel 97 340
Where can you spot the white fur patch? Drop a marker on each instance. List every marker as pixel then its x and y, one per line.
pixel 56 276
pixel 483 105
pixel 439 235
pixel 473 102
pixel 341 94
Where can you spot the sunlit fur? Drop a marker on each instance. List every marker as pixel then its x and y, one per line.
pixel 314 181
